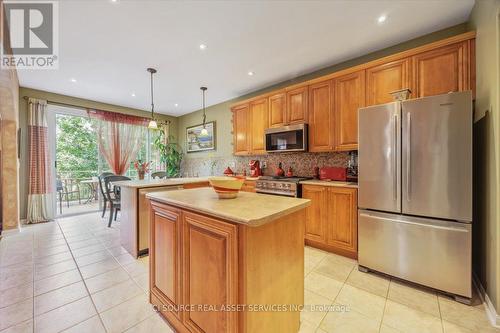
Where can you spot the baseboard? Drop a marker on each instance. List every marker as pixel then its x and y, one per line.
pixel 491 312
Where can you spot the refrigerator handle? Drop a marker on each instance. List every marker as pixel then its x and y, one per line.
pixel 395 158
pixel 408 156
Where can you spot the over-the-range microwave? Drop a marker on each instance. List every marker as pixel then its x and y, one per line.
pixel 286 138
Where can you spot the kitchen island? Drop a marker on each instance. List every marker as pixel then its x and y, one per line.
pixel 134 215
pixel 233 265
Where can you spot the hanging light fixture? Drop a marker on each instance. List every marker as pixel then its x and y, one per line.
pixel 152 123
pixel 204 131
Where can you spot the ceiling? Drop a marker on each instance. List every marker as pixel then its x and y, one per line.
pixel 106 46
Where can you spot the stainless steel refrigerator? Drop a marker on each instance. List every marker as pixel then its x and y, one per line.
pixel 415 191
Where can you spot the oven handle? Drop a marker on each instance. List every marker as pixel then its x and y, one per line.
pixel 276 193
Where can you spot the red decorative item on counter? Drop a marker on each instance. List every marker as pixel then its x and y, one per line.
pixel 279 171
pixel 289 173
pixel 255 168
pixel 228 172
pixel 333 173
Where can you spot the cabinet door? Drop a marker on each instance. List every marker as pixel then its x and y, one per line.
pixel 383 79
pixel 316 213
pixel 210 273
pixel 342 219
pixel 320 117
pixel 277 109
pixel 441 70
pixel 258 123
pixel 296 105
pixel 349 96
pixel 240 129
pixel 165 255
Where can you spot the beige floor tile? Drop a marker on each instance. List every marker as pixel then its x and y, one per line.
pixel 323 285
pixel 83 243
pixel 54 269
pixel 406 319
pixel 91 325
pixel 127 314
pixel 136 268
pixel 362 301
pixel 40 253
pixel 57 281
pixel 24 327
pixel 143 281
pixel 115 295
pixel 87 250
pixel 471 317
pixel 125 259
pixel 59 297
pixel 17 294
pixel 414 296
pixel 374 283
pixel 388 329
pixel 98 268
pixel 117 250
pixel 453 328
pixel 153 324
pixel 315 307
pixel 314 255
pixel 106 280
pixel 93 258
pixel 16 258
pixel 54 259
pixel 65 316
pixel 16 313
pixel 334 267
pixel 349 321
pixel 307 327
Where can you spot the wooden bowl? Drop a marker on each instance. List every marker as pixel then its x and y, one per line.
pixel 226 187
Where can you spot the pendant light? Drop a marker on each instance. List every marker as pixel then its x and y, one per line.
pixel 204 131
pixel 152 123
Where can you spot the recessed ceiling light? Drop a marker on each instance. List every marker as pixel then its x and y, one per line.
pixel 176 105
pixel 132 94
pixel 250 73
pixel 382 18
pixel 114 1
pixel 203 46
pixel 73 80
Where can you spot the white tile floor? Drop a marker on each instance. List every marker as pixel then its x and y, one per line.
pixel 73 276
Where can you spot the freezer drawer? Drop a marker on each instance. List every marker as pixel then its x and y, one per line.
pixel 434 253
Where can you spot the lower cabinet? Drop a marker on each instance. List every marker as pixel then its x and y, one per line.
pixel 331 219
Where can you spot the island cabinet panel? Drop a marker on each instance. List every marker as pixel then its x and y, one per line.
pixel 241 125
pixel 297 105
pixel 316 213
pixel 321 117
pixel 331 219
pixel 342 232
pixel 383 79
pixel 210 273
pixel 165 256
pixel 441 70
pixel 349 96
pixel 277 109
pixel 258 123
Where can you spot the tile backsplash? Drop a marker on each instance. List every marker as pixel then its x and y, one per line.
pixel 302 163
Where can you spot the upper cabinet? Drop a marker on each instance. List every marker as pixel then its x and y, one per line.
pixel 383 79
pixel 296 106
pixel 321 117
pixel 441 70
pixel 349 96
pixel 277 109
pixel 249 122
pixel 258 123
pixel 240 129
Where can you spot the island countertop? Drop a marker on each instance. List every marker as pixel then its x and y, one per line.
pixel 250 209
pixel 160 182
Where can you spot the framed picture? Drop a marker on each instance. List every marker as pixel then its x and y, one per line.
pixel 195 141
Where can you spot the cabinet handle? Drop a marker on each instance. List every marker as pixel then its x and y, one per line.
pixel 395 161
pixel 408 157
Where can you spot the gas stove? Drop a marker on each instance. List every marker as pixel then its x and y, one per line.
pixel 287 186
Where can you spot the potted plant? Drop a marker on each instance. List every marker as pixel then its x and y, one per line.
pixel 170 152
pixel 142 168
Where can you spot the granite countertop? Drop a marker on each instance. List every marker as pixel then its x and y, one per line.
pixel 160 182
pixel 329 183
pixel 250 209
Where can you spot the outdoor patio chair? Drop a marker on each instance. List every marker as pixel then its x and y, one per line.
pixel 67 187
pixel 159 174
pixel 113 194
pixel 101 187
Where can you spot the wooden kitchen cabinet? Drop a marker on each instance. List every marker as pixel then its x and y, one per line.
pixel 321 127
pixel 258 123
pixel 331 219
pixel 240 129
pixel 441 70
pixel 297 105
pixel 277 109
pixel 349 96
pixel 383 79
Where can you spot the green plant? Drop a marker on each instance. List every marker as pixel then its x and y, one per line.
pixel 170 153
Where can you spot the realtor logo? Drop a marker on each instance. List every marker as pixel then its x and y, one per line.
pixel 32 29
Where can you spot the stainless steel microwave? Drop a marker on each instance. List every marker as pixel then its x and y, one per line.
pixel 286 138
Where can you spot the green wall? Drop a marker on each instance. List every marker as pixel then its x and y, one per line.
pixel 222 115
pixel 485 19
pixel 79 102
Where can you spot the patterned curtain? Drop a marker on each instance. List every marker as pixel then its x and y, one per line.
pixel 41 194
pixel 120 137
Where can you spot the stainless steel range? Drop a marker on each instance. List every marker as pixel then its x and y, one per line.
pixel 287 186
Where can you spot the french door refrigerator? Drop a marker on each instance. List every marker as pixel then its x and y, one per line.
pixel 415 191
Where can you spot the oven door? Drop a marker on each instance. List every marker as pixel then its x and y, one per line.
pixel 288 138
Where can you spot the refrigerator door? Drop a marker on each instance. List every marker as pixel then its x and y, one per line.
pixel 434 253
pixel 437 156
pixel 379 161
